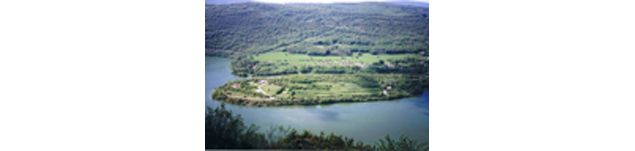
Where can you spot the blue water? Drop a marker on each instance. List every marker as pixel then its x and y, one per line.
pixel 366 121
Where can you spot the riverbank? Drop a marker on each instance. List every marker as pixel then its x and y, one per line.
pixel 313 89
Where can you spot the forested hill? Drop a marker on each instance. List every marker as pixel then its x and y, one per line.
pixel 252 28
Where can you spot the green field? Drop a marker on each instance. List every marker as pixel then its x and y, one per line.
pixel 283 63
pixel 306 60
pixel 283 78
pixel 320 89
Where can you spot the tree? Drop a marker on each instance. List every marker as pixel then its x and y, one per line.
pixel 224 130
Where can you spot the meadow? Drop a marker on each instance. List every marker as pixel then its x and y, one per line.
pixel 320 89
pixel 307 60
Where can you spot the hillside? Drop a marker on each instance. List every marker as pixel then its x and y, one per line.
pixel 256 27
pixel 319 53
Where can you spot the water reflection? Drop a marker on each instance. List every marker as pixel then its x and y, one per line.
pixel 325 115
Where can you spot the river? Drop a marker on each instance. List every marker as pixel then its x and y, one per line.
pixel 365 121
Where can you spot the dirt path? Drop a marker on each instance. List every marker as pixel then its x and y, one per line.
pixel 259 90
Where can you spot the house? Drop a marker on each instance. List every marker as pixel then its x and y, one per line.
pixel 261 82
pixel 236 85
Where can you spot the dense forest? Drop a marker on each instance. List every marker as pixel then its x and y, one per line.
pixel 250 28
pixel 352 52
pixel 224 130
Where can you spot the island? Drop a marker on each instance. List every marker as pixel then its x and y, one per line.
pixel 307 54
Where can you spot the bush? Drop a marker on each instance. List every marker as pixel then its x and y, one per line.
pixel 223 130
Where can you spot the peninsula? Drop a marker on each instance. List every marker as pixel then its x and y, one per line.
pixel 306 54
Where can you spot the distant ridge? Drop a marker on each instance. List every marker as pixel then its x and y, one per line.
pixel 400 2
pixel 420 4
pixel 226 1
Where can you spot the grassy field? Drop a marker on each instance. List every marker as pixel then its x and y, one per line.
pixel 320 88
pixel 306 60
pixel 282 78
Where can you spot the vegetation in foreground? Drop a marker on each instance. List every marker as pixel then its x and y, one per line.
pixel 224 130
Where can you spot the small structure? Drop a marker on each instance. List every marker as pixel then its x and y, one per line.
pixel 261 82
pixel 236 85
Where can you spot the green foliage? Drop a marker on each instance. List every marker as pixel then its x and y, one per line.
pixel 320 53
pixel 224 130
pixel 316 29
pixel 401 144
pixel 281 63
pixel 308 140
pixel 321 89
pixel 243 65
